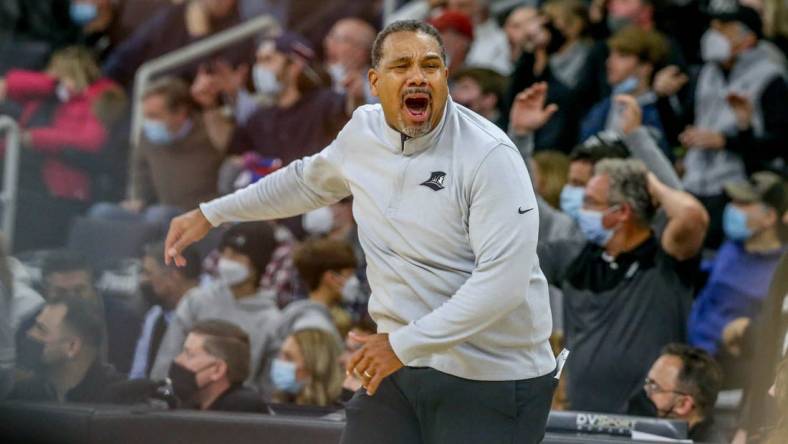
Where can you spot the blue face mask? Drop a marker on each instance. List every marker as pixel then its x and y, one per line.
pixel 572 200
pixel 265 81
pixel 82 13
pixel 591 225
pixel 734 223
pixel 626 86
pixel 156 131
pixel 283 375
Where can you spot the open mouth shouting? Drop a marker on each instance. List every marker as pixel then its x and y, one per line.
pixel 416 104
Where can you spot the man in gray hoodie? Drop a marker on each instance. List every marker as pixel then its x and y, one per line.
pixel 448 220
pixel 236 297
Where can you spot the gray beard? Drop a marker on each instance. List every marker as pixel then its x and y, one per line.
pixel 413 131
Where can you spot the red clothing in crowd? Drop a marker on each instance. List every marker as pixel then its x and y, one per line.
pixel 73 126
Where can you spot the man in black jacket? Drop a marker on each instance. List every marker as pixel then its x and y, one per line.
pixel 208 374
pixel 62 349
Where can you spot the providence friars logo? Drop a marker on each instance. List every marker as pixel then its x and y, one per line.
pixel 435 182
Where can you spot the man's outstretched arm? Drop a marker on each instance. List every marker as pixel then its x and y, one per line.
pixel 304 185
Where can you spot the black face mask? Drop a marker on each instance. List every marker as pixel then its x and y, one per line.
pixel 184 383
pixel 557 38
pixel 30 354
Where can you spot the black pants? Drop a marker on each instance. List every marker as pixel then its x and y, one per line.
pixel 423 405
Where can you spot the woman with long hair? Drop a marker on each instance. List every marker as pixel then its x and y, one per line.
pixel 307 371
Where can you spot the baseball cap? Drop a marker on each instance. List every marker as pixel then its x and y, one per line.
pixel 732 11
pixel 455 21
pixel 252 239
pixel 602 145
pixel 293 44
pixel 764 186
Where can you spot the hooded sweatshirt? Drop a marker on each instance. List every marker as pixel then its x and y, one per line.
pixel 257 315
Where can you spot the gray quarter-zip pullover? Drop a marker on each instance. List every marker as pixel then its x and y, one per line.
pixel 449 224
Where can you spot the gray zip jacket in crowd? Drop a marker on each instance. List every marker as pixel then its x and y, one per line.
pixel 449 224
pixel 257 315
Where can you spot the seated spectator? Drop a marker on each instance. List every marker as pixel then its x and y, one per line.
pixel 210 371
pixel 456 30
pixel 490 47
pixel 737 116
pixel 328 269
pixel 481 90
pixel 683 383
pixel 172 28
pixel 65 272
pixel 556 49
pixel 336 222
pixel 347 51
pixel 515 28
pixel 63 139
pixel 175 138
pixel 236 297
pixel 742 270
pixel 285 69
pixel 626 281
pixel 307 370
pixel 63 352
pixel 163 287
pixel 635 55
pixel 550 170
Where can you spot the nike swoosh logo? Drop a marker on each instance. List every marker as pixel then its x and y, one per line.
pixel 521 211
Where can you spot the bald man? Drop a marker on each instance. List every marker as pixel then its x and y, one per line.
pixel 347 50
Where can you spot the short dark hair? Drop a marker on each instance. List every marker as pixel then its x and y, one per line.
pixel 404 26
pixel 83 316
pixel 175 91
pixel 700 376
pixel 228 342
pixel 490 81
pixel 193 267
pixel 64 261
pixel 315 257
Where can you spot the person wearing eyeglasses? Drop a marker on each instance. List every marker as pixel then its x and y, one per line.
pixel 683 384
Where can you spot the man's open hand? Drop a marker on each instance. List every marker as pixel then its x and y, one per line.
pixel 185 230
pixel 374 361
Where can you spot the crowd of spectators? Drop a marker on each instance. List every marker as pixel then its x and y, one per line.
pixel 655 133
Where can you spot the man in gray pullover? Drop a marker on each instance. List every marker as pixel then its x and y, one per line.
pixel 448 220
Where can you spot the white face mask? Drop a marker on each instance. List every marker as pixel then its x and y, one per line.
pixel 265 81
pixel 232 272
pixel 715 47
pixel 318 222
pixel 337 72
pixel 62 92
pixel 351 291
